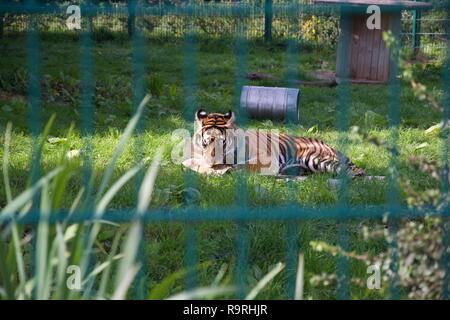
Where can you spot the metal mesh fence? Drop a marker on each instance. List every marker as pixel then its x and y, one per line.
pixel 317 26
pixel 241 22
pixel 426 31
pixel 159 20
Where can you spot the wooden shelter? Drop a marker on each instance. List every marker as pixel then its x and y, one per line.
pixel 362 56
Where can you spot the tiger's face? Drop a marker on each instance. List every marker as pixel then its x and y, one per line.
pixel 213 135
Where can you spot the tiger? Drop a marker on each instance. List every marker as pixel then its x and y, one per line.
pixel 219 141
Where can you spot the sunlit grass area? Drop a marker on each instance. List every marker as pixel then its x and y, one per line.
pixel 215 90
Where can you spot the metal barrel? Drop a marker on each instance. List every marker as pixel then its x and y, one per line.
pixel 271 103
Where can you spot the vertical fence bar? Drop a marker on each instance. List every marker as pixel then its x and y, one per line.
pixel 241 183
pixel 34 93
pixel 445 254
pixel 268 19
pixel 292 228
pixel 241 258
pixel 138 87
pixel 87 107
pixel 416 26
pixel 87 124
pixel 190 105
pixel 343 276
pixel 445 176
pixel 445 136
pixel 2 20
pixel 34 120
pixel 393 191
pixel 131 22
pixel 292 249
pixel 191 255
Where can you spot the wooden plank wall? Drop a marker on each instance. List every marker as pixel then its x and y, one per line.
pixel 369 56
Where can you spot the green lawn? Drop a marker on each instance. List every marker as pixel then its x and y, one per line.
pixel 216 80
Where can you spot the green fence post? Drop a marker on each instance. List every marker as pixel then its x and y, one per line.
pixel 131 17
pixel 268 16
pixel 1 25
pixel 417 16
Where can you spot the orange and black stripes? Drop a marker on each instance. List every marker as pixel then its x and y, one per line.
pixel 296 154
pixel 214 119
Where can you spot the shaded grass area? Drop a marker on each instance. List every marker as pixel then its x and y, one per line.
pixel 216 91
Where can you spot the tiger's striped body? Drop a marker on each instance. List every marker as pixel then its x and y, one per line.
pixel 219 141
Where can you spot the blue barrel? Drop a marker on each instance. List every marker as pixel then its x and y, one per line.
pixel 271 103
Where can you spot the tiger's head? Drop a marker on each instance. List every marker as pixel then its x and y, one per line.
pixel 212 135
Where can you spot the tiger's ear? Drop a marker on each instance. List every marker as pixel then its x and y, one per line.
pixel 229 116
pixel 200 114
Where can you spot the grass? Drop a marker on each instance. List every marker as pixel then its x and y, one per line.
pixel 216 90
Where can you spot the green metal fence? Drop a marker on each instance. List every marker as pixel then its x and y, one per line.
pixel 262 19
pixel 240 213
pixel 424 31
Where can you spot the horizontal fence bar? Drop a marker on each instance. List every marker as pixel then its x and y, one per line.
pixel 183 9
pixel 212 9
pixel 431 19
pixel 281 213
pixel 426 33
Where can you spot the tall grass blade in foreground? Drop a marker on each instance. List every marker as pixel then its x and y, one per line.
pixel 128 265
pixel 264 281
pixel 299 283
pixel 62 244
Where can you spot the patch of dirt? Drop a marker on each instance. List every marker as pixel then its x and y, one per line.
pixel 8 96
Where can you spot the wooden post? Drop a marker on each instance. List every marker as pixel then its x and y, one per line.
pixel 268 16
